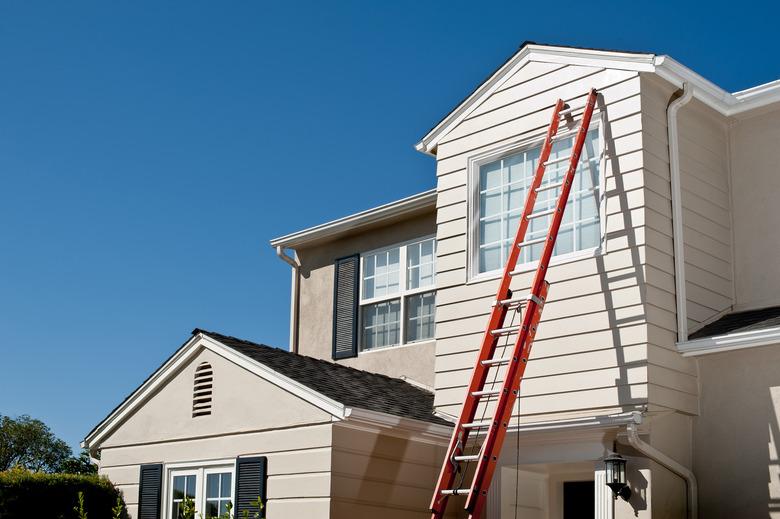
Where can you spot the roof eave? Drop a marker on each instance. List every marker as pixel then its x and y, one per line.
pixel 170 368
pixel 727 104
pixel 398 208
pixel 729 342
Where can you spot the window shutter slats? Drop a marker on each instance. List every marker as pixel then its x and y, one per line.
pixel 345 307
pixel 149 491
pixel 251 476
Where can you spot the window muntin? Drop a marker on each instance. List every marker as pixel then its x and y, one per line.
pixel 183 486
pixel 219 492
pixel 503 185
pixel 420 316
pixel 392 311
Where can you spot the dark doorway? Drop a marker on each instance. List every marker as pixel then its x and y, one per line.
pixel 578 498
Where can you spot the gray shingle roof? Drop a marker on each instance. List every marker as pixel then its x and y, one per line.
pixel 749 321
pixel 349 386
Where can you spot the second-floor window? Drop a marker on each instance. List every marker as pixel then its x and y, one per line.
pixel 397 295
pixel 503 185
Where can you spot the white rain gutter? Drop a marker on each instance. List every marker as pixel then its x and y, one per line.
pixel 665 461
pixel 295 291
pixel 677 222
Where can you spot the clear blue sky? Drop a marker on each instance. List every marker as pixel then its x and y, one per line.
pixel 149 150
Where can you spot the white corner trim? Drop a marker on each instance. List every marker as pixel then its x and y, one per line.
pixel 185 353
pixel 706 91
pixel 729 342
pixel 357 220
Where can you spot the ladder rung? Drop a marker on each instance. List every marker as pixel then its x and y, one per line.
pixel 539 214
pixel 504 331
pixel 556 161
pixel 533 242
pixel 456 492
pixel 470 457
pixel 566 111
pixel 554 185
pixel 511 302
pixel 477 425
pixel 486 392
pixel 493 362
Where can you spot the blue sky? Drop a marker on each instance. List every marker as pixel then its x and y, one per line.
pixel 149 150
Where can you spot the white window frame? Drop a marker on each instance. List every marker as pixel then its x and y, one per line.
pixel 199 470
pixel 506 150
pixel 402 294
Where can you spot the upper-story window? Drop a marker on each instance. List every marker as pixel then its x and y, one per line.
pixel 502 189
pixel 397 296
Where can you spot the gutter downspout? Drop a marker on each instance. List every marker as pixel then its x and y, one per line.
pixel 294 294
pixel 668 463
pixel 677 222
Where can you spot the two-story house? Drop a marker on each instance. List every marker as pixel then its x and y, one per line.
pixel 660 338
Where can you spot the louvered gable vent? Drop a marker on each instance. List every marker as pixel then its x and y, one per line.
pixel 201 395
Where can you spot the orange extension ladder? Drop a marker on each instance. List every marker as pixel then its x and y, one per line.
pixel 493 432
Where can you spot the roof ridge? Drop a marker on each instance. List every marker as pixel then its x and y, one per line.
pixel 315 359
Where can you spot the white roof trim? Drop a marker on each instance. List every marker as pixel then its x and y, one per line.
pixel 363 218
pixel 729 342
pixel 185 353
pixel 404 426
pixel 707 92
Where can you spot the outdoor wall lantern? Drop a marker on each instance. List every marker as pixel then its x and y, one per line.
pixel 615 468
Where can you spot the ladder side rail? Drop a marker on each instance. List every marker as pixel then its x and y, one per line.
pixel 516 368
pixel 497 316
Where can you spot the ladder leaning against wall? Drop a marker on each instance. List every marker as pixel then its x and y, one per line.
pixel 488 435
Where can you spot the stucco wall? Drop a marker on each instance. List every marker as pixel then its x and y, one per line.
pixel 755 171
pixel 316 300
pixel 249 417
pixel 736 436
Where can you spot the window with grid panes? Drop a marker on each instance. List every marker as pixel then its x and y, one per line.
pixel 503 188
pixel 397 295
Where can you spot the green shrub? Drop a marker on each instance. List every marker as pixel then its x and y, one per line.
pixel 25 494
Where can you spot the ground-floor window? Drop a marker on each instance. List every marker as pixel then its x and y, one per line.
pixel 207 490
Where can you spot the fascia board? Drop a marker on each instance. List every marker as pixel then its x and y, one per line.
pixel 544 54
pixel 143 392
pixel 417 428
pixel 190 349
pixel 729 342
pixel 706 91
pixel 353 221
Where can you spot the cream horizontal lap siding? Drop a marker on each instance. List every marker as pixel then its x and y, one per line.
pixel 592 348
pixel 705 200
pixel 382 476
pixel 755 182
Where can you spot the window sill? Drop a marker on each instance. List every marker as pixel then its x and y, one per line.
pixel 531 266
pixel 396 347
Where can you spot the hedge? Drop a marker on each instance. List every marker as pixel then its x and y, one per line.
pixel 25 494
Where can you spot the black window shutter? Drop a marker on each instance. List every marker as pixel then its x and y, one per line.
pixel 345 307
pixel 251 474
pixel 149 491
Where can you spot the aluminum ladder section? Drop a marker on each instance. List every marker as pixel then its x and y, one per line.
pixel 493 431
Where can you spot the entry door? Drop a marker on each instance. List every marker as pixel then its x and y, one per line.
pixel 578 497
